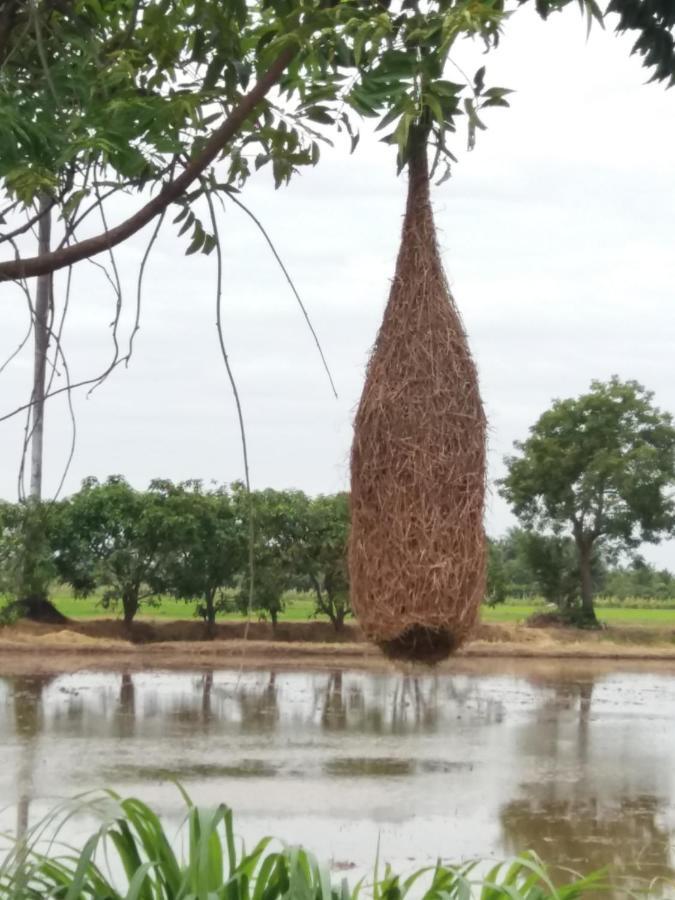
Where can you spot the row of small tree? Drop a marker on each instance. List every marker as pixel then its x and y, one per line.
pixel 594 480
pixel 525 565
pixel 181 540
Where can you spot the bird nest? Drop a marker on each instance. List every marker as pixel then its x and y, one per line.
pixel 417 545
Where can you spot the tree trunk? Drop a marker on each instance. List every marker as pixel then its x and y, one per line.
pixel 210 614
pixel 32 602
pixel 585 549
pixel 37 608
pixel 334 612
pixel 43 298
pixel 317 589
pixel 130 606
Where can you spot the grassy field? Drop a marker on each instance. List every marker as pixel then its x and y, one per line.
pixel 300 608
pixel 610 615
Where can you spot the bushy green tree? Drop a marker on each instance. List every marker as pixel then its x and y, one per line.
pixel 324 556
pixel 599 468
pixel 275 525
pixel 112 538
pixel 496 587
pixel 27 561
pixel 204 545
pixel 640 580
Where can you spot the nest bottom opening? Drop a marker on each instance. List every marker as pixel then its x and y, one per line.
pixel 420 644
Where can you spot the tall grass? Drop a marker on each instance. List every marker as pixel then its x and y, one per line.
pixel 131 856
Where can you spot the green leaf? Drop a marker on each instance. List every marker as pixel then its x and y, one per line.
pixel 198 238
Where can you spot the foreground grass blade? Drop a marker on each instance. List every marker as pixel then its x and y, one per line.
pixel 142 865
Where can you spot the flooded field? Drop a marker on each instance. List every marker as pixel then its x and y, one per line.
pixel 576 761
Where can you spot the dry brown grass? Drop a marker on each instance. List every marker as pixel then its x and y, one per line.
pixel 417 546
pixel 39 648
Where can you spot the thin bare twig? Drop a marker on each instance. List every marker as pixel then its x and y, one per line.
pixel 171 190
pixel 291 283
pixel 139 285
pixel 69 394
pixel 75 223
pixel 26 337
pixel 32 220
pixel 240 414
pixel 117 288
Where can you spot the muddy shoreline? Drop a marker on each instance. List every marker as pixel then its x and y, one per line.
pixel 107 644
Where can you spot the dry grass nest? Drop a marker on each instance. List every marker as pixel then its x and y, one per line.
pixel 417 546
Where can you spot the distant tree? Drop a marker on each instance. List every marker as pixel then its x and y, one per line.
pixel 554 563
pixel 112 538
pixel 520 580
pixel 599 468
pixel 640 580
pixel 324 556
pixel 496 588
pixel 299 542
pixel 203 547
pixel 276 527
pixel 27 565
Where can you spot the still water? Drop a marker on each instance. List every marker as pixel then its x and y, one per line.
pixel 575 762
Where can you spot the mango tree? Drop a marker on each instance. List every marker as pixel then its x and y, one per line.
pixel 205 545
pixel 599 468
pixel 324 556
pixel 27 558
pixel 112 539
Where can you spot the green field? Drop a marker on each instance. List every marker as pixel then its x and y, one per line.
pixel 610 615
pixel 298 609
pixel 301 608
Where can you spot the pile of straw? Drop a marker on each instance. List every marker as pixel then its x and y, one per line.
pixel 417 545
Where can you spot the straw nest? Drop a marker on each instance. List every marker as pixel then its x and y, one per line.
pixel 417 545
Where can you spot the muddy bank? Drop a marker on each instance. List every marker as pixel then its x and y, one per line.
pixel 107 643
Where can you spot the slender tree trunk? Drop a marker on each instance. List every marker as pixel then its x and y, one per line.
pixel 317 589
pixel 43 300
pixel 130 606
pixel 333 611
pixel 210 608
pixel 585 549
pixel 210 614
pixel 32 600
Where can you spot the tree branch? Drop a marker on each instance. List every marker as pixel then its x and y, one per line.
pixel 172 190
pixel 28 224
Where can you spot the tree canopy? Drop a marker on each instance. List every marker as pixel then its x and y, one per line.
pixel 111 537
pixel 99 94
pixel 599 467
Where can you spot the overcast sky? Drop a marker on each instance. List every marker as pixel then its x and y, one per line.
pixel 557 236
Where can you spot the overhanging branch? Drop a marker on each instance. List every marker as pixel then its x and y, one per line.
pixel 11 270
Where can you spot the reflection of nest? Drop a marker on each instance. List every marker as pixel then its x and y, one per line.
pixel 417 545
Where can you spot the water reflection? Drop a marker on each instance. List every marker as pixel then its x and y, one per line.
pixel 590 835
pixel 577 765
pixel 26 700
pixel 578 814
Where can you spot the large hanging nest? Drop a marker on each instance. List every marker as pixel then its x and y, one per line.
pixel 417 546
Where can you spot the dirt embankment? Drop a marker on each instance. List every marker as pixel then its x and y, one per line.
pixel 107 643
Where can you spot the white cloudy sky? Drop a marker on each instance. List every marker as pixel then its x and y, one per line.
pixel 557 234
